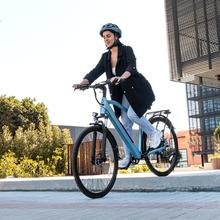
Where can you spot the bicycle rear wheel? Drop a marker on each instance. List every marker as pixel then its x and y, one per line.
pixel 163 162
pixel 94 174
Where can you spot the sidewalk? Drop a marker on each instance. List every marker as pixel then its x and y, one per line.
pixel 204 180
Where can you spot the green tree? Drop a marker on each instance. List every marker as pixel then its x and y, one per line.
pixel 217 133
pixel 217 139
pixel 6 140
pixel 15 113
pixel 29 145
pixel 34 152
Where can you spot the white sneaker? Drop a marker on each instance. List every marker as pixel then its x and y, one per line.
pixel 124 162
pixel 155 139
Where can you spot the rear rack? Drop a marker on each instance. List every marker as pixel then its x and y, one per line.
pixel 160 112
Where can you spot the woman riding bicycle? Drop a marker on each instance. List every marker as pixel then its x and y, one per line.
pixel 128 86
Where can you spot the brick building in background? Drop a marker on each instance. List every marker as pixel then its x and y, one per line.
pixel 188 157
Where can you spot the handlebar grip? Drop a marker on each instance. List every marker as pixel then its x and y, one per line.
pixel 82 87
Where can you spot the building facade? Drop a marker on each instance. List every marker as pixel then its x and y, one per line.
pixel 188 157
pixel 193 28
pixel 204 116
pixel 194 40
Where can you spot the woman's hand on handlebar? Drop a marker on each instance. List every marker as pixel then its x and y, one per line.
pixel 116 79
pixel 84 83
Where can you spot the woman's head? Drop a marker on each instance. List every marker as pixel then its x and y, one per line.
pixel 111 34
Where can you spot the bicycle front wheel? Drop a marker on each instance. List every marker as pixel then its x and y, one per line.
pixel 94 171
pixel 162 162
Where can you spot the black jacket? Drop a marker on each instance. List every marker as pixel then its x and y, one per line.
pixel 136 88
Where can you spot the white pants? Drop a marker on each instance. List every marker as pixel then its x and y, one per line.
pixel 129 118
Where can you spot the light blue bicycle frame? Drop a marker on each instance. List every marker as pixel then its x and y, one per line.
pixel 106 110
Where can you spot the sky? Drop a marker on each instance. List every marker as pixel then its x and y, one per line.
pixel 48 45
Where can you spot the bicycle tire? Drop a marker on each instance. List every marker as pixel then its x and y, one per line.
pixel 162 164
pixel 94 180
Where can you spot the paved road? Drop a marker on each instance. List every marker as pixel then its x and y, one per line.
pixel 124 205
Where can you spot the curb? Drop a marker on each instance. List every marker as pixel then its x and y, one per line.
pixel 188 182
pixel 196 181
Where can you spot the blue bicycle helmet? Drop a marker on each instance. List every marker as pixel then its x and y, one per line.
pixel 111 27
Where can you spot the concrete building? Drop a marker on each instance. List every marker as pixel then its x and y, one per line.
pixel 193 28
pixel 194 40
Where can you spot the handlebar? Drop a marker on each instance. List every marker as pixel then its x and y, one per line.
pixel 100 85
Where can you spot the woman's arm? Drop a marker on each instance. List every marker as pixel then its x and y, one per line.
pixel 130 60
pixel 96 72
pixel 92 75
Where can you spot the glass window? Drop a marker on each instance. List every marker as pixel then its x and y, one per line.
pixel 217 121
pixel 208 106
pixel 212 123
pixel 216 104
pixel 193 107
pixel 206 123
pixel 209 142
pixel 194 123
pixel 192 90
pixel 207 90
pixel 183 159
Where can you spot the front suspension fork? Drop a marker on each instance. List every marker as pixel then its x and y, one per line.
pixel 102 156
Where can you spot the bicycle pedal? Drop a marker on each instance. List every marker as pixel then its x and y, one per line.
pixel 131 165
